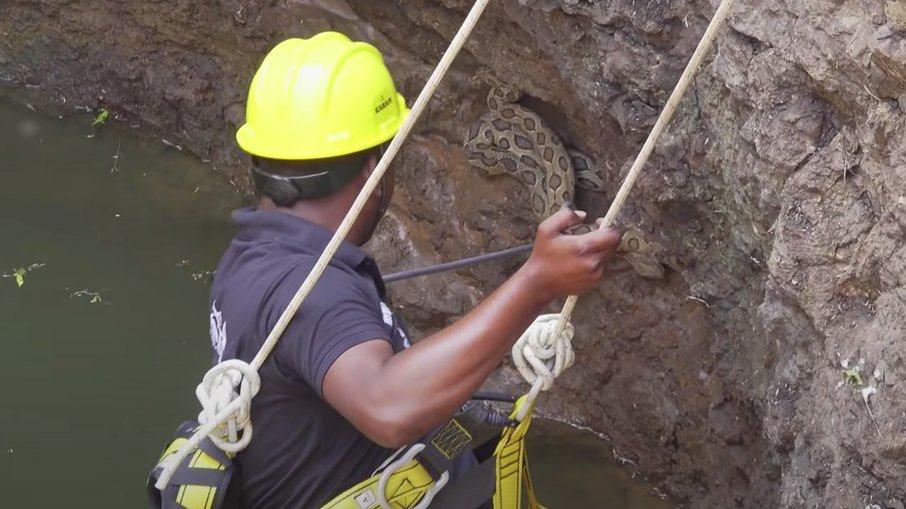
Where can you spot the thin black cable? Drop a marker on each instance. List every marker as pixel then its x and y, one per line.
pixel 459 264
pixel 494 396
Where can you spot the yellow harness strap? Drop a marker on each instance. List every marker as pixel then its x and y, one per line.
pixel 405 488
pixel 512 465
pixel 199 481
pixel 195 496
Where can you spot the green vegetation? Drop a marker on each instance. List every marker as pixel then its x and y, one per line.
pixel 101 118
pixel 20 276
pixel 19 273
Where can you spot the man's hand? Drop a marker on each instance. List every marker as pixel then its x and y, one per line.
pixel 563 264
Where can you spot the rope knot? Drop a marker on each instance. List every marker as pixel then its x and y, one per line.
pixel 539 356
pixel 225 395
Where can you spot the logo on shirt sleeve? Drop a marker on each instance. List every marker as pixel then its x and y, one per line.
pixel 390 320
pixel 218 332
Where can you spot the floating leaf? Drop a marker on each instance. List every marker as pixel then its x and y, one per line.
pixel 101 118
pixel 19 273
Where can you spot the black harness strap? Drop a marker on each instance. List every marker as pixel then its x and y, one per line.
pixel 471 491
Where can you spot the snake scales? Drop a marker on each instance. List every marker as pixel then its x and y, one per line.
pixel 510 139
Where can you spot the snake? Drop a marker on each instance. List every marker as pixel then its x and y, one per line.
pixel 510 139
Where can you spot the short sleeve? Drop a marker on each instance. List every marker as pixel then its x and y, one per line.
pixel 340 313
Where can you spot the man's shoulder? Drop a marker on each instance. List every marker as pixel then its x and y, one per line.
pixel 269 259
pixel 271 276
pixel 336 284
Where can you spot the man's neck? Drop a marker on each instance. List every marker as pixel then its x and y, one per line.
pixel 325 213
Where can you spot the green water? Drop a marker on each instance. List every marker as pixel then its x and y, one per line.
pixel 104 342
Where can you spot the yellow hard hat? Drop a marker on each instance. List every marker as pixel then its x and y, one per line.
pixel 319 98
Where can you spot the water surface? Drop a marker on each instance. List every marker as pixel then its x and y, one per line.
pixel 105 340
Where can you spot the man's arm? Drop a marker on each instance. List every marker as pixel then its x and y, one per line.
pixel 396 399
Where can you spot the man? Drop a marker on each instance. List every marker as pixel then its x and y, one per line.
pixel 344 387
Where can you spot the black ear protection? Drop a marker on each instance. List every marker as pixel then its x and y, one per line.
pixel 285 190
pixel 286 182
pixel 384 202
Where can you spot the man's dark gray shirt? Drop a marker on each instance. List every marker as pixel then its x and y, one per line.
pixel 303 452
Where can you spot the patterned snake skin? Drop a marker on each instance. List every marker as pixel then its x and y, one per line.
pixel 512 140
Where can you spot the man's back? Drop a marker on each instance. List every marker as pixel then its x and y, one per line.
pixel 302 452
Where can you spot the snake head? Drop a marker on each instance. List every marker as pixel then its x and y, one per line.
pixel 508 93
pixel 644 257
pixel 484 75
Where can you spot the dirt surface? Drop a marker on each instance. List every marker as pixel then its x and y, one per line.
pixel 779 193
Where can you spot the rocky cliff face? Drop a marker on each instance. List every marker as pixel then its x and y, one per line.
pixel 779 193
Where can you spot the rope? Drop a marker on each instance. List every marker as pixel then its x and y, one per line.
pixel 225 413
pixel 225 409
pixel 540 332
pixel 540 360
pixel 218 406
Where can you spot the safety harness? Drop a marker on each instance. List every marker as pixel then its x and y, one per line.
pixel 415 477
pixel 196 467
pixel 200 481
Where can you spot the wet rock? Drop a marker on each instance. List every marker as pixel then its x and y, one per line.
pixel 778 193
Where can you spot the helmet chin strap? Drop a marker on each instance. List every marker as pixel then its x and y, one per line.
pixel 383 205
pixel 384 202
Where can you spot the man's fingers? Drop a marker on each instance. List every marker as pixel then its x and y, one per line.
pixel 603 240
pixel 561 221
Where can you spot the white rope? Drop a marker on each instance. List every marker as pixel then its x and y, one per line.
pixel 541 357
pixel 225 415
pixel 235 413
pixel 554 336
pixel 226 409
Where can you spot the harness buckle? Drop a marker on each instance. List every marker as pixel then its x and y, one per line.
pixel 410 455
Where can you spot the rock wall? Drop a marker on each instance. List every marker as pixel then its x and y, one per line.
pixel 779 193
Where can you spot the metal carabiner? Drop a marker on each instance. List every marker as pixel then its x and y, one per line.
pixel 410 455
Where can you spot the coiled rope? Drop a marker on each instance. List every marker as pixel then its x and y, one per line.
pixel 226 412
pixel 542 337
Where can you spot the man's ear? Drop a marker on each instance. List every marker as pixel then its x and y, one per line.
pixel 371 163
